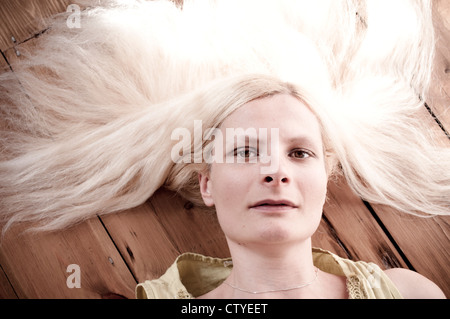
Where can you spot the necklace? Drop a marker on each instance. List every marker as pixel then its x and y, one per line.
pixel 275 290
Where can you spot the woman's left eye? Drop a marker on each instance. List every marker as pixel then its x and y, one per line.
pixel 300 153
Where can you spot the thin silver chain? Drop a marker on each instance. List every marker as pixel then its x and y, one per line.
pixel 274 290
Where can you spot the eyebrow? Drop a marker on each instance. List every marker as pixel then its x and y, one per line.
pixel 301 139
pixel 255 140
pixel 306 141
pixel 241 134
pixel 248 140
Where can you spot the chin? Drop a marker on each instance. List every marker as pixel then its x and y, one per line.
pixel 278 234
pixel 286 233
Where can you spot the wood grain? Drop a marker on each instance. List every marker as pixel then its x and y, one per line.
pixel 3 65
pixel 188 227
pixel 22 19
pixel 6 290
pixel 356 228
pixel 424 241
pixel 36 265
pixel 326 237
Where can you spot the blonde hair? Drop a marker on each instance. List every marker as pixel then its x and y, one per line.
pixel 92 135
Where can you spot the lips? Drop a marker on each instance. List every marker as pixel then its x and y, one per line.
pixel 271 204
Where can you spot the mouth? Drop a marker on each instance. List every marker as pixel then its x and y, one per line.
pixel 274 205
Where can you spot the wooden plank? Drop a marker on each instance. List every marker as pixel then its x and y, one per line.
pixel 424 241
pixel 14 55
pixel 142 241
pixel 6 290
pixel 23 19
pixel 36 265
pixel 151 236
pixel 3 64
pixel 188 227
pixel 359 233
pixel 439 99
pixel 326 237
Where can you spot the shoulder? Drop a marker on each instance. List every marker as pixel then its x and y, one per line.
pixel 413 285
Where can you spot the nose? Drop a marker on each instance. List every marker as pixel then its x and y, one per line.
pixel 275 180
pixel 279 173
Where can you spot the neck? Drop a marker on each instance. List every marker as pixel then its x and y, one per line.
pixel 271 267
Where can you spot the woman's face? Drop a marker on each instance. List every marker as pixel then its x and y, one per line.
pixel 284 203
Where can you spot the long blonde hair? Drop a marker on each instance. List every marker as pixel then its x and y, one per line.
pixel 87 130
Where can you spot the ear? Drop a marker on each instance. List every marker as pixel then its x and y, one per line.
pixel 205 189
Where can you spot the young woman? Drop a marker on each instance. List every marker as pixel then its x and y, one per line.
pixel 88 129
pixel 268 218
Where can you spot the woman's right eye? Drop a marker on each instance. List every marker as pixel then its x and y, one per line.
pixel 245 152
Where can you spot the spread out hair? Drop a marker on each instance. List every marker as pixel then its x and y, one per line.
pixel 87 116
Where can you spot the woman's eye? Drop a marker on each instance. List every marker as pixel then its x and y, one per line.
pixel 301 154
pixel 245 152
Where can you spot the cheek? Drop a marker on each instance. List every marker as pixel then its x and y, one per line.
pixel 314 188
pixel 228 185
pixel 317 189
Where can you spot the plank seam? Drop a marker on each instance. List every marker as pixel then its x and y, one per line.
pixel 118 250
pixel 9 281
pixel 388 234
pixel 435 118
pixel 336 237
pixel 6 60
pixel 163 225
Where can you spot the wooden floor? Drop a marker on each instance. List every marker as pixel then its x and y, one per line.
pixel 117 251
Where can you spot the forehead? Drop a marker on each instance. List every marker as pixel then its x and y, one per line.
pixel 283 111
